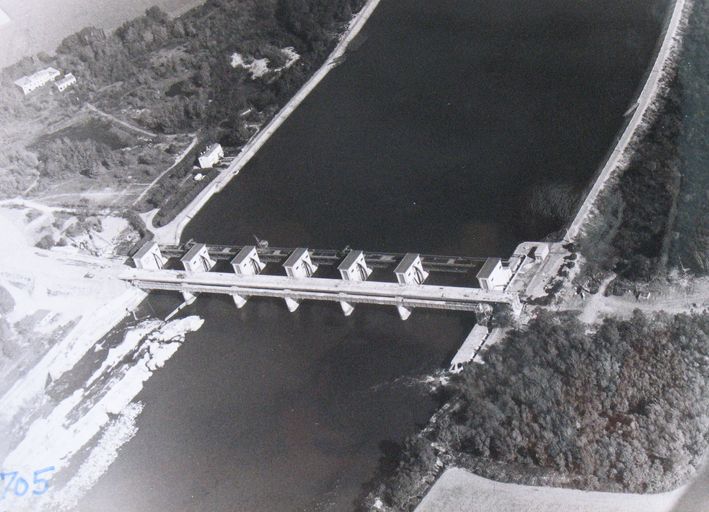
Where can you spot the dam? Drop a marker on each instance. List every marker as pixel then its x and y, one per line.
pixel 411 270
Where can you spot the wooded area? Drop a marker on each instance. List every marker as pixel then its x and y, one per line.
pixel 623 408
pixel 690 240
pixel 658 211
pixel 169 76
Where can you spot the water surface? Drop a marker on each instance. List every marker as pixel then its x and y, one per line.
pixel 427 138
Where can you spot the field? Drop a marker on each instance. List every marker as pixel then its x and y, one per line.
pixel 458 491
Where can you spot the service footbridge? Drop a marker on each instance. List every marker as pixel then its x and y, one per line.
pixel 332 257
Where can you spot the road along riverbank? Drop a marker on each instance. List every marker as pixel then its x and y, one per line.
pixel 653 89
pixel 171 232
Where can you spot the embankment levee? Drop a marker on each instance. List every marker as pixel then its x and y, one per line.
pixel 619 157
pixel 171 232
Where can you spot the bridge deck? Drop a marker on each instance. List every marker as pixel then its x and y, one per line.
pixel 332 257
pixel 371 292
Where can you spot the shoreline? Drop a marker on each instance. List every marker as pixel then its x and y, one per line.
pixel 55 24
pixel 171 232
pixel 619 156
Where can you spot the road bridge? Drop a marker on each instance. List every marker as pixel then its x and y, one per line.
pixel 300 283
pixel 404 297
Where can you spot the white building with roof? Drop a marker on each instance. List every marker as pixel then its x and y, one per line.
pixel 494 276
pixel 37 79
pixel 197 259
pixel 410 270
pixel 354 267
pixel 149 256
pixel 211 156
pixel 66 81
pixel 247 262
pixel 299 264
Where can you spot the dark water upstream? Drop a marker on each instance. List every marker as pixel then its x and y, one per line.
pixel 427 138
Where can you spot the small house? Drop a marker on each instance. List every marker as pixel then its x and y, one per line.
pixel 211 156
pixel 66 81
pixel 494 276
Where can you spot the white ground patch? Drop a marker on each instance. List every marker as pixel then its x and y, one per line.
pixel 291 55
pixel 4 18
pixel 259 67
pixel 55 438
pixel 118 433
pixel 458 490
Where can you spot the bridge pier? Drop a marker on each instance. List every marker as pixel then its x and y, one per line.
pixel 353 268
pixel 292 304
pixel 239 300
pixel 404 312
pixel 347 307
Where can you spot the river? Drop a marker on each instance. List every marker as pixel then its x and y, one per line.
pixel 428 137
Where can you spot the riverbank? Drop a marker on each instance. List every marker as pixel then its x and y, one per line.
pixel 171 232
pixel 664 65
pixel 39 25
pixel 68 401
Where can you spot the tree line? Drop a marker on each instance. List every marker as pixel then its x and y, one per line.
pixel 624 407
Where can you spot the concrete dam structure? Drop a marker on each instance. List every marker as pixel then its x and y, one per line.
pixel 247 278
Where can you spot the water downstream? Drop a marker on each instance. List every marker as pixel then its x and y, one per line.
pixel 427 138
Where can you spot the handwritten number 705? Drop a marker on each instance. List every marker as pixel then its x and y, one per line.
pixel 43 481
pixel 21 486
